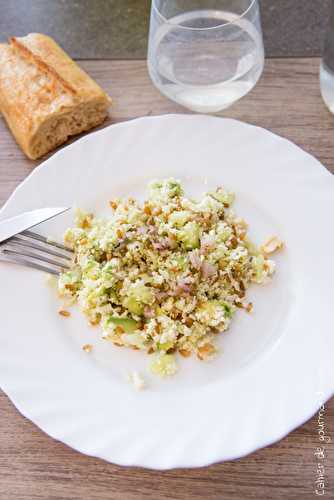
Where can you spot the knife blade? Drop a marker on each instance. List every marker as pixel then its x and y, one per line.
pixel 14 225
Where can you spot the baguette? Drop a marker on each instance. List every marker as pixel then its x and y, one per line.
pixel 44 96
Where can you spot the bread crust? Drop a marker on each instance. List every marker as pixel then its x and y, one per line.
pixel 40 84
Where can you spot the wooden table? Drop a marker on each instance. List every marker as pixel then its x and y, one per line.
pixel 33 466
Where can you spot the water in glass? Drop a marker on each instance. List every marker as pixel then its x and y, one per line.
pixel 206 59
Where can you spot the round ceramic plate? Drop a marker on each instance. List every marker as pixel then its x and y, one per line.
pixel 275 368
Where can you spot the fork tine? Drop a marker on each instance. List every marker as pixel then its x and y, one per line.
pixel 26 243
pixel 28 263
pixel 35 236
pixel 37 257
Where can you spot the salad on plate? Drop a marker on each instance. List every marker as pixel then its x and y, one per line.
pixel 165 276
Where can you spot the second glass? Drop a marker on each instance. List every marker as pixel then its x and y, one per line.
pixel 205 54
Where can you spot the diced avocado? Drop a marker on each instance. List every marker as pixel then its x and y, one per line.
pixel 179 219
pixel 165 346
pixel 190 235
pixel 141 293
pixel 129 325
pixel 223 196
pixel 163 365
pixel 92 270
pixel 133 306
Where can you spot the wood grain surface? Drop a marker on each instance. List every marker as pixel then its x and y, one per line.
pixel 33 466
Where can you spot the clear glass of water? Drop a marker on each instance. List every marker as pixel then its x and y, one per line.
pixel 205 54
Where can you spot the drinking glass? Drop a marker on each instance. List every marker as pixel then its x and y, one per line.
pixel 205 54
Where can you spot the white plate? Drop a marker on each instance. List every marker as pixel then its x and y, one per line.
pixel 276 367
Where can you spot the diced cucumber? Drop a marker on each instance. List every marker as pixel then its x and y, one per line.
pixel 163 365
pixel 141 293
pixel 190 235
pixel 129 325
pixel 133 306
pixel 165 346
pixel 179 219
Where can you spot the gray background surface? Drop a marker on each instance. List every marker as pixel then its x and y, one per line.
pixel 117 29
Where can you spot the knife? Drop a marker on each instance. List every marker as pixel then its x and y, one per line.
pixel 14 225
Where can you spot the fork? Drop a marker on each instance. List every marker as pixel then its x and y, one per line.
pixel 33 250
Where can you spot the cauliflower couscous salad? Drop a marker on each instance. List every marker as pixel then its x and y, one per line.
pixel 167 276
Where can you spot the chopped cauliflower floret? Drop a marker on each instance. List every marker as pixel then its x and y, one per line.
pixel 137 380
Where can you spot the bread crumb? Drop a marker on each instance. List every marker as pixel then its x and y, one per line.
pixel 271 245
pixel 87 347
pixel 64 313
pixel 205 351
pixel 249 307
